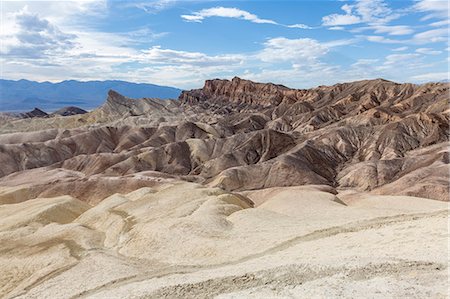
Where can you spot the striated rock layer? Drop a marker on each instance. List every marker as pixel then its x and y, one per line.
pixel 374 136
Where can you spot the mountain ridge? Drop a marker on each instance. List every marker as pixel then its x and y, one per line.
pixel 241 135
pixel 22 95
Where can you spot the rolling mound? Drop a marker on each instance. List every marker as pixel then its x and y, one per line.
pixel 185 240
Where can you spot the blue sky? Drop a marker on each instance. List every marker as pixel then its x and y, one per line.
pixel 300 44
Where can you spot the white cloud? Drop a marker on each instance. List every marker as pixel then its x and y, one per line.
pixel 428 51
pixel 300 26
pixel 305 58
pixel 373 12
pixel 382 39
pixel 234 13
pixel 347 8
pixel 365 62
pixel 298 76
pixel 434 35
pixel 339 42
pixel 35 37
pixel 152 6
pixel 399 68
pixel 225 12
pixel 155 65
pixel 402 67
pixel 336 28
pixel 293 50
pixel 142 35
pixel 400 49
pixel 394 63
pixel 103 45
pixel 434 8
pixel 440 23
pixel 179 75
pixel 340 20
pixel 427 77
pixel 396 58
pixel 57 33
pixel 31 28
pixel 156 6
pixel 157 55
pixel 388 29
pixel 57 12
pixel 425 37
pixel 393 30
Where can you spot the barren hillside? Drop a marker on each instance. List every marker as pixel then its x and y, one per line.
pixel 235 190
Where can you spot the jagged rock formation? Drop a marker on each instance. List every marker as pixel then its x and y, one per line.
pixel 36 112
pixel 116 111
pixel 70 110
pixel 238 93
pixel 372 135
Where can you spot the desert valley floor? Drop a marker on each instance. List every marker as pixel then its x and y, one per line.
pixel 236 190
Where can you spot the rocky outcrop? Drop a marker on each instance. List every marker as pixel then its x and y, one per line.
pixel 36 112
pixel 237 93
pixel 373 135
pixel 70 110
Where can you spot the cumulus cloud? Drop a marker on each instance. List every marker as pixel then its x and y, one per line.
pixel 182 68
pixel 36 37
pixel 375 14
pixel 59 13
pixel 362 11
pixel 374 11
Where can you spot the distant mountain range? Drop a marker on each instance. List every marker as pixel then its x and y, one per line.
pixel 23 95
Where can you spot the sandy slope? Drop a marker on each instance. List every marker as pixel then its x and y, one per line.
pixel 185 240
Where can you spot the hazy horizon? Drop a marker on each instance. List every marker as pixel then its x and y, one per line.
pixel 445 80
